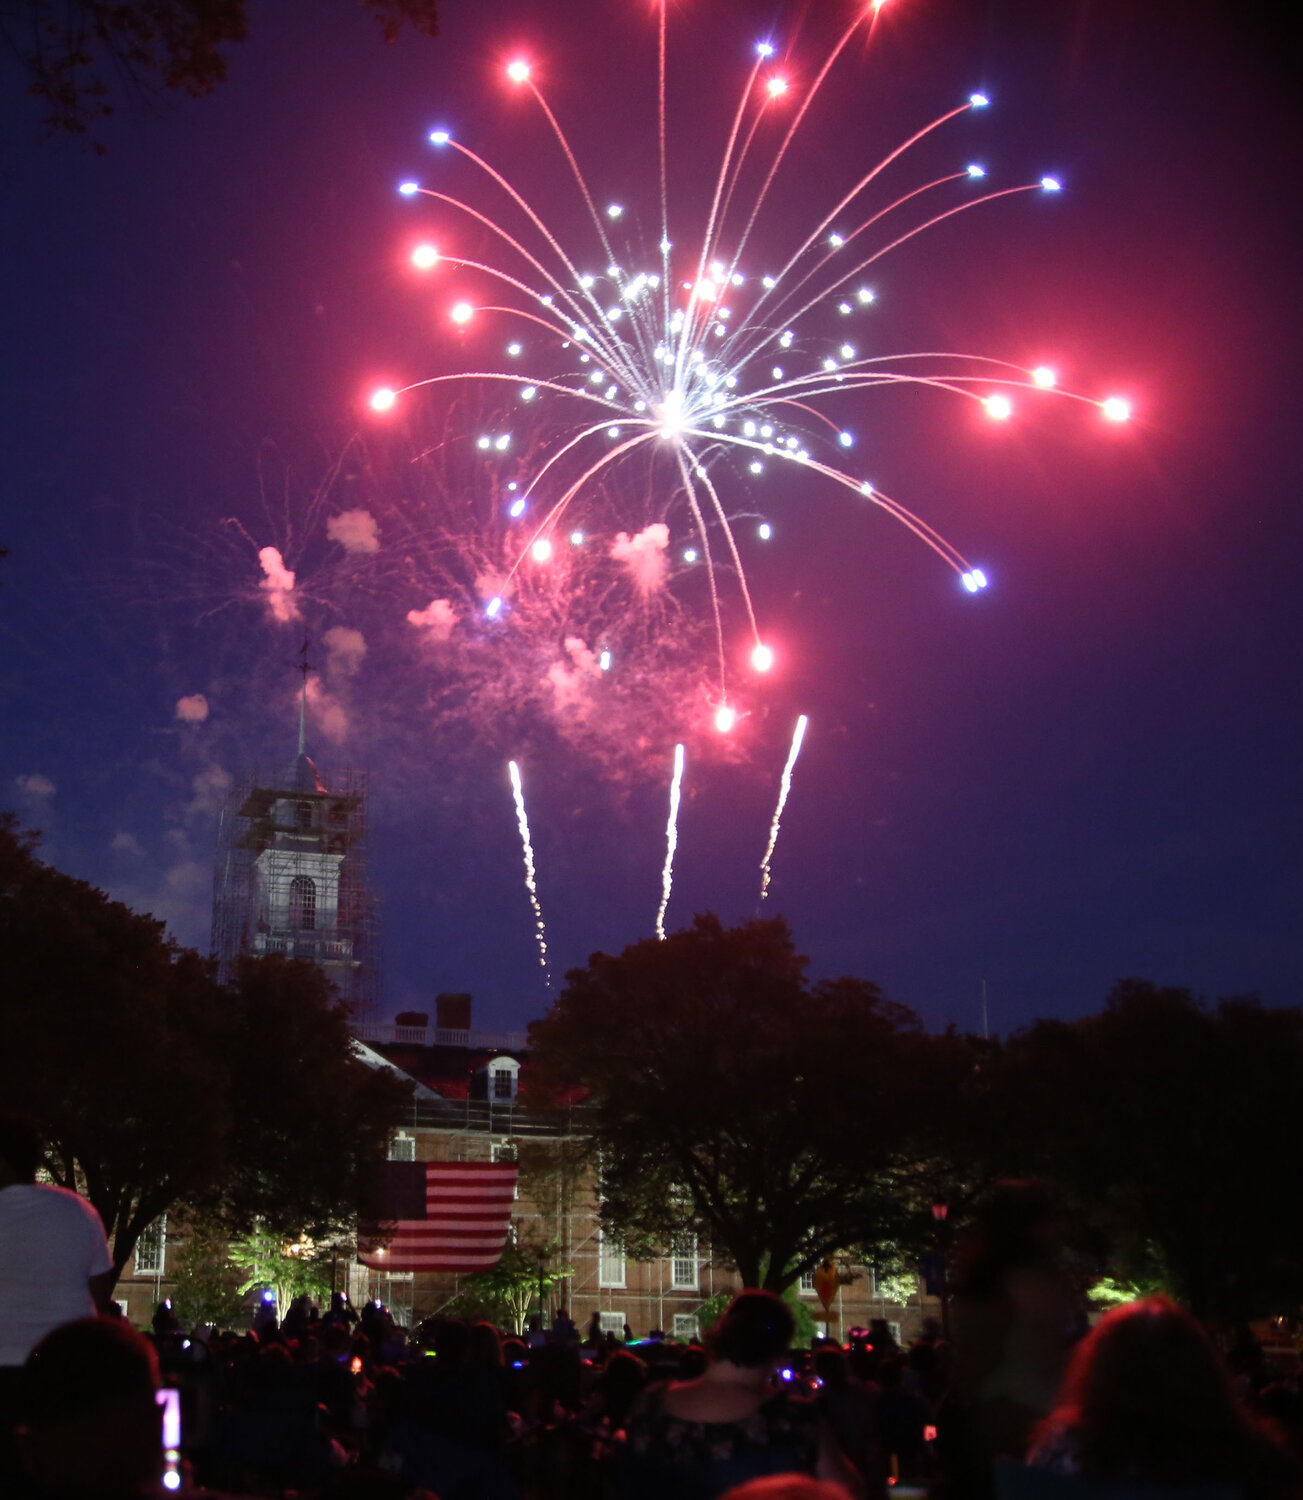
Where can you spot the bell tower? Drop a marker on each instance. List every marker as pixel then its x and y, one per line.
pixel 291 874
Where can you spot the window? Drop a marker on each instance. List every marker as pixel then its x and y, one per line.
pixel 807 1283
pixel 502 1076
pixel 610 1262
pixel 151 1248
pixel 683 1262
pixel 506 1151
pixel 685 1327
pixel 303 815
pixel 303 903
pixel 611 1322
pixel 402 1148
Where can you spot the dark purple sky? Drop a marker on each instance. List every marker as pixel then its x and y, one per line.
pixel 1088 772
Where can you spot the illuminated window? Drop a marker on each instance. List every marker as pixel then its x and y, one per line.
pixel 610 1262
pixel 303 903
pixel 807 1283
pixel 683 1262
pixel 611 1322
pixel 151 1248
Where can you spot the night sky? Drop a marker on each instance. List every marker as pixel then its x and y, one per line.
pixel 1087 772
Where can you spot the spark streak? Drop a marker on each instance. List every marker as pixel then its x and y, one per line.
pixel 671 840
pixel 540 931
pixel 784 787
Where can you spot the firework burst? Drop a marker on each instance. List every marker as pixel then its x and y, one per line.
pixel 689 364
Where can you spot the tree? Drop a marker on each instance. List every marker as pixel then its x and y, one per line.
pixel 112 1042
pixel 1170 1125
pixel 286 1268
pixel 65 47
pixel 731 1098
pixel 207 1284
pixel 156 1086
pixel 309 1119
pixel 528 1270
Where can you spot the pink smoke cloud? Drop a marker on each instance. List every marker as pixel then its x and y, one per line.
pixel 355 531
pixel 644 555
pixel 192 709
pixel 278 585
pixel 437 621
pixel 569 682
pixel 345 648
pixel 328 713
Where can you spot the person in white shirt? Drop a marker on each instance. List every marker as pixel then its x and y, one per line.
pixel 54 1259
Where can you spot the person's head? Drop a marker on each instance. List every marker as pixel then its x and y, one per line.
pixel 622 1380
pixel 1150 1397
pixel 1016 1225
pixel 21 1149
pixel 785 1487
pixel 753 1331
pixel 483 1347
pixel 89 1418
pixel 831 1367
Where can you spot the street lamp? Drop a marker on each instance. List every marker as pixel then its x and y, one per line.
pixel 940 1211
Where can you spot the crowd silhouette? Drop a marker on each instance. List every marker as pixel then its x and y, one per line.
pixel 1027 1401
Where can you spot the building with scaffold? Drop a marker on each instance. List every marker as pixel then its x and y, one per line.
pixel 291 878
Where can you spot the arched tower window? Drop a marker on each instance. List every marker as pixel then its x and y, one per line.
pixel 303 902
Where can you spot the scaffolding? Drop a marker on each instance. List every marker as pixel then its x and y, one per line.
pixel 291 879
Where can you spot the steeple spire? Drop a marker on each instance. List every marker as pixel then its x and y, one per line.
pixel 303 698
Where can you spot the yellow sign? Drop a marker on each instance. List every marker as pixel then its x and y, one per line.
pixel 825 1283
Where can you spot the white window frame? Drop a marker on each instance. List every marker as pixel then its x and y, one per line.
pixel 506 1151
pixel 612 1266
pixel 402 1147
pixel 807 1284
pixel 685 1263
pixel 685 1327
pixel 611 1321
pixel 151 1265
pixel 502 1064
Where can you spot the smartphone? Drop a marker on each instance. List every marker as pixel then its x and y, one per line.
pixel 169 1398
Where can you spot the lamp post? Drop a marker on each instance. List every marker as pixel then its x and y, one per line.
pixel 940 1212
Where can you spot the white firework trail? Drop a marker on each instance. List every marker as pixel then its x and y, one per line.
pixel 671 840
pixel 784 787
pixel 527 848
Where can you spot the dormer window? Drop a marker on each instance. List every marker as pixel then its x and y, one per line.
pixel 503 1079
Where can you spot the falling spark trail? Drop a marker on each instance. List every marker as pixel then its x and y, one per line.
pixel 671 840
pixel 784 787
pixel 540 931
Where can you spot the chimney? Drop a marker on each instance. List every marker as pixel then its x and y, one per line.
pixel 452 1012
